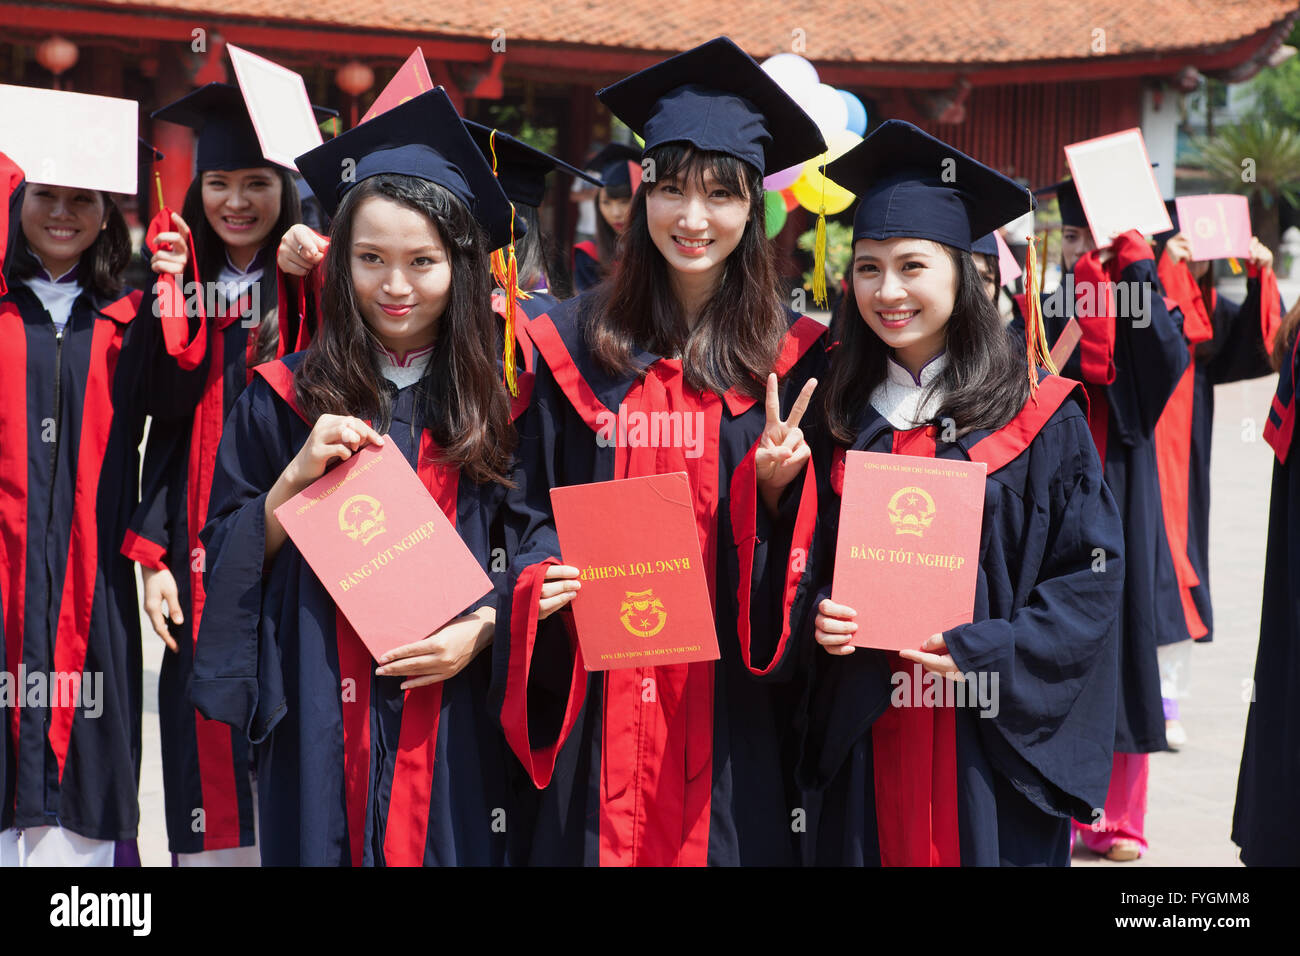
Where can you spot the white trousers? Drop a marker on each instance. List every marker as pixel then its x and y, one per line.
pixel 52 846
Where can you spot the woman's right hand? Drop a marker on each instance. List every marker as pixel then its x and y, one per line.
pixel 332 437
pixel 835 627
pixel 173 249
pixel 1179 248
pixel 160 588
pixel 560 587
pixel 301 250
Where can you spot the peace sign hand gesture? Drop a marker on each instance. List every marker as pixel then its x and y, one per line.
pixel 782 451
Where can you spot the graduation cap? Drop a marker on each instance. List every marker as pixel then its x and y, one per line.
pixel 716 97
pixel 1067 199
pixel 423 137
pixel 1171 207
pixel 986 245
pixel 219 116
pixel 909 183
pixel 521 169
pixel 613 161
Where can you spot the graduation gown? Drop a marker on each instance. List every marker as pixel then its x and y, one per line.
pixel 207 795
pixel 586 266
pixel 372 775
pixel 1234 348
pixel 968 784
pixel 206 791
pixel 1129 373
pixel 75 404
pixel 677 765
pixel 1264 821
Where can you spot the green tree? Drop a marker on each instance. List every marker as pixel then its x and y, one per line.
pixel 1260 160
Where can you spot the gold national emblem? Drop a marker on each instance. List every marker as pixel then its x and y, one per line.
pixel 642 613
pixel 911 511
pixel 362 518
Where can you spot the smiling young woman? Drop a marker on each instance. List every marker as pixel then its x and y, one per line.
pixel 691 322
pixel 76 384
pixel 924 368
pixel 410 770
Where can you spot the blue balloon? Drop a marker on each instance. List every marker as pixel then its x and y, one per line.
pixel 857 113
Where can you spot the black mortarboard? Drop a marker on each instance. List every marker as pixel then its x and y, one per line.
pixel 226 138
pixel 716 97
pixel 520 168
pixel 1171 206
pixel 612 163
pixel 985 245
pixel 1067 200
pixel 909 183
pixel 423 137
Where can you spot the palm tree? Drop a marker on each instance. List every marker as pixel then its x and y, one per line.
pixel 1260 160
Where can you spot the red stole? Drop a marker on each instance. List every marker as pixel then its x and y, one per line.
pixel 914 755
pixel 656 778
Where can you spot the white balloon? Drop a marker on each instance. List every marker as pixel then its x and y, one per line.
pixel 790 71
pixel 826 107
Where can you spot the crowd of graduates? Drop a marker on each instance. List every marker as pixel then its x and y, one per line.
pixel 422 316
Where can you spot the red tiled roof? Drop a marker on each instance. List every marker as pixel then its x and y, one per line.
pixel 921 32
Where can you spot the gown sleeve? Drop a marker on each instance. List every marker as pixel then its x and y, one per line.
pixel 162 477
pixel 1052 734
pixel 237 675
pixel 538 680
pixel 1149 357
pixel 1239 349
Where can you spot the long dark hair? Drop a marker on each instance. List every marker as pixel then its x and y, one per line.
pixel 100 267
pixel 984 383
pixel 210 252
pixel 462 400
pixel 738 334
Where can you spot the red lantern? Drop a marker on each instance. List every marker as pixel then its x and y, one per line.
pixel 57 55
pixel 354 78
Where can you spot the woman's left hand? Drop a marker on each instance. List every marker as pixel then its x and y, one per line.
pixel 444 653
pixel 934 657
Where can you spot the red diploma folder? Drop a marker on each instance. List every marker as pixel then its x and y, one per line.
pixel 644 598
pixel 908 546
pixel 384 550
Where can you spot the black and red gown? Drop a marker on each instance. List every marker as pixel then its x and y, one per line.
pixel 678 765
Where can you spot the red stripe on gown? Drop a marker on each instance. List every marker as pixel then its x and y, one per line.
pixel 78 596
pixel 212 739
pixel 914 754
pixel 13 490
pixel 1173 435
pixel 417 743
pixel 656 783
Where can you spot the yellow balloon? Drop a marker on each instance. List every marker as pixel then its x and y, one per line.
pixel 808 188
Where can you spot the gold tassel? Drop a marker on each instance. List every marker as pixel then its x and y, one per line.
pixel 506 268
pixel 819 248
pixel 1036 350
pixel 157 181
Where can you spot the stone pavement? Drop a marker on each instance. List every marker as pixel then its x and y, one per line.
pixel 1192 792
